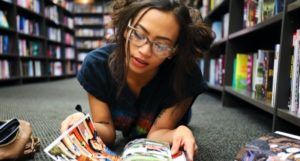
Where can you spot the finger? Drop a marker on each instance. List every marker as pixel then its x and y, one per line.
pixel 70 120
pixel 189 150
pixel 175 145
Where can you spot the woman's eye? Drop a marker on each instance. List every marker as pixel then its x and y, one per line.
pixel 138 35
pixel 160 47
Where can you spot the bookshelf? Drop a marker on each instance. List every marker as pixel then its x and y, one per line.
pixel 247 38
pixel 40 33
pixel 89 27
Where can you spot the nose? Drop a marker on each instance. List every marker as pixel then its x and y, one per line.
pixel 145 49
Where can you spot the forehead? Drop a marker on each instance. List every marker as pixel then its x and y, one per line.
pixel 159 23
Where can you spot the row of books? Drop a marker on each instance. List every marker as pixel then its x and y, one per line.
pixel 88 20
pixel 52 13
pixel 56 68
pixel 33 5
pixel 69 22
pixel 28 26
pixel 217 70
pixel 54 34
pixel 29 48
pixel 54 51
pixel 257 72
pixel 90 32
pixel 70 67
pixel 221 28
pixel 5 69
pixel 3 19
pixel 209 5
pixel 81 56
pixel 31 68
pixel 69 39
pixel 4 44
pixel 69 53
pixel 66 4
pixel 295 89
pixel 256 11
pixel 88 9
pixel 89 44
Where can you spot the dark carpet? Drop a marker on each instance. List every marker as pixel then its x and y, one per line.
pixel 220 131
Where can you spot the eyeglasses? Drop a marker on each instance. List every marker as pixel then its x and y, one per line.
pixel 139 39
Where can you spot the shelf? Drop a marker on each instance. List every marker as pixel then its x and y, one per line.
pixel 21 34
pixel 25 11
pixel 218 11
pixel 7 30
pixel 51 22
pixel 295 6
pixel 215 87
pixel 289 116
pixel 9 56
pixel 54 42
pixel 28 78
pixel 88 14
pixel 69 45
pixel 4 3
pixel 55 59
pixel 250 98
pixel 33 57
pixel 220 42
pixel 68 29
pixel 268 23
pixel 89 37
pixel 10 79
pixel 90 26
pixel 71 75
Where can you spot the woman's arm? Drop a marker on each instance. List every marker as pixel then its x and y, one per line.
pixel 102 120
pixel 164 129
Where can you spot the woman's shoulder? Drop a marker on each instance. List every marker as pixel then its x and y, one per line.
pixel 100 54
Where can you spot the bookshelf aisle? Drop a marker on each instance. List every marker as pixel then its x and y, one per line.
pixel 89 27
pixel 37 42
pixel 261 61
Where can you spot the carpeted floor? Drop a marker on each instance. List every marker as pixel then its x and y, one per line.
pixel 220 131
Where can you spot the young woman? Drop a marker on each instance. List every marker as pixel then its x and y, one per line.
pixel 145 83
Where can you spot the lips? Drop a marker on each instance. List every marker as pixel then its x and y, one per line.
pixel 139 62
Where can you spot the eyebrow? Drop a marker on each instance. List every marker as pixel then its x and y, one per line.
pixel 157 37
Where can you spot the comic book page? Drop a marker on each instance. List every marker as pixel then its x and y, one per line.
pixel 80 142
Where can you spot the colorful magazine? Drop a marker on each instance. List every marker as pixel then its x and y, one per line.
pixel 277 146
pixel 81 142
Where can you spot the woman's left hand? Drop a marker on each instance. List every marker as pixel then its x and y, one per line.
pixel 183 138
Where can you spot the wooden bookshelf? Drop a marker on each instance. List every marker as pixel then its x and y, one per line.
pixel 278 29
pixel 20 62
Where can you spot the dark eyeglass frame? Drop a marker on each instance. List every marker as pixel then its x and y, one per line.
pixel 169 49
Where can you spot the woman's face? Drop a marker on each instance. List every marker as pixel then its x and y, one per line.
pixel 159 27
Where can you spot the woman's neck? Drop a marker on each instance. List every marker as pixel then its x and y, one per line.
pixel 137 81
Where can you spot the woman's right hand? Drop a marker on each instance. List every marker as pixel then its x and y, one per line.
pixel 70 120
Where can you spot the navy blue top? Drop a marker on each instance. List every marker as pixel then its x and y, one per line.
pixel 133 115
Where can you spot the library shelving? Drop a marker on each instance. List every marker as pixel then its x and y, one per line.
pixel 259 52
pixel 36 35
pixel 89 27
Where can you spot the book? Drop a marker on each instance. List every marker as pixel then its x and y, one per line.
pixel 277 146
pixel 81 142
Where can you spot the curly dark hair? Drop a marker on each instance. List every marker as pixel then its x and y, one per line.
pixel 194 38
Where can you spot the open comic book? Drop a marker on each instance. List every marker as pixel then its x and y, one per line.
pixel 81 142
pixel 277 146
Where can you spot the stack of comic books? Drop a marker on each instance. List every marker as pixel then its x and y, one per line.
pixel 81 142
